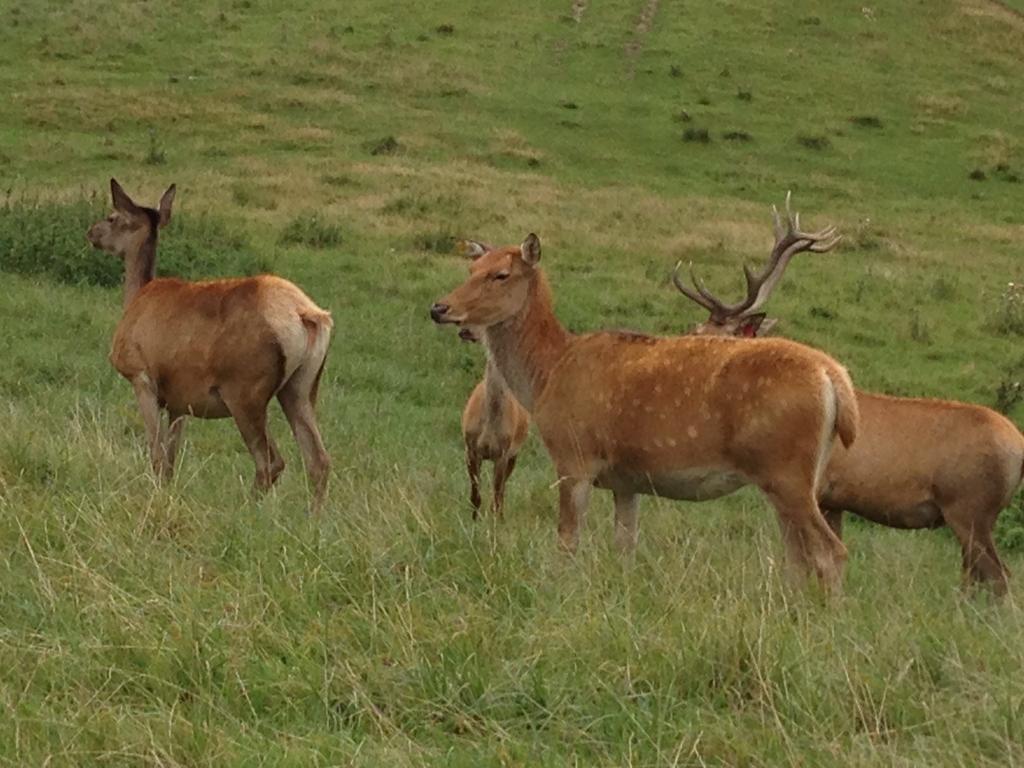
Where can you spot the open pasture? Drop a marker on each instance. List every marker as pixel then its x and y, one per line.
pixel 346 147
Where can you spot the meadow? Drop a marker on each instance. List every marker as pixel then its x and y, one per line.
pixel 346 147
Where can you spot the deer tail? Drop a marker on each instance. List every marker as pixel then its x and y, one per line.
pixel 847 413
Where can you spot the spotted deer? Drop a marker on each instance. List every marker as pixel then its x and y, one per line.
pixel 214 349
pixel 917 463
pixel 681 417
pixel 494 424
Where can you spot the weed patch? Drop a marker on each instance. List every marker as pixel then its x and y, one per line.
pixel 311 230
pixel 697 136
pixel 741 137
pixel 386 146
pixel 1008 314
pixel 866 121
pixel 816 143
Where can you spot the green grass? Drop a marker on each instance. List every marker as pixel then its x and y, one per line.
pixel 193 625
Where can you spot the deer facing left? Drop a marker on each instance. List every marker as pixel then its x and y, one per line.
pixel 214 349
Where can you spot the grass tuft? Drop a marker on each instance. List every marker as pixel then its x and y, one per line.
pixel 311 230
pixel 386 146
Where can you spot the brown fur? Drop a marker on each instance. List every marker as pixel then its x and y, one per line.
pixel 681 417
pixel 215 349
pixel 494 428
pixel 927 463
pixel 916 463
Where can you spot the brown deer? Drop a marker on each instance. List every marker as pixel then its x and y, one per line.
pixel 916 463
pixel 214 349
pixel 494 424
pixel 494 428
pixel 680 417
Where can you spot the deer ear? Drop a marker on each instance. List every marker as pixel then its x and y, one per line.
pixel 473 249
pixel 121 200
pixel 752 324
pixel 165 205
pixel 531 249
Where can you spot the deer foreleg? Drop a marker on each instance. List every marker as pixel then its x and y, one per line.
pixel 573 498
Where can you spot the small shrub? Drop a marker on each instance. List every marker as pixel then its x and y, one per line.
pixel 435 242
pixel 919 330
pixel 1009 533
pixel 744 95
pixel 866 121
pixel 675 71
pixel 1008 394
pixel 312 231
pixel 817 143
pixel 1003 172
pixel 740 136
pixel 155 154
pixel 1008 317
pixel 977 175
pixel 943 288
pixel 569 105
pixel 446 29
pixel 386 146
pixel 697 135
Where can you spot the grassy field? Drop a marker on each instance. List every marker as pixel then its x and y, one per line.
pixel 345 147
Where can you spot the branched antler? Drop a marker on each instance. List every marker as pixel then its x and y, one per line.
pixel 789 241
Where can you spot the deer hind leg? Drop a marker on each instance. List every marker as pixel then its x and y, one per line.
pixel 296 402
pixel 503 468
pixel 973 529
pixel 812 548
pixel 473 463
pixel 250 417
pixel 152 418
pixel 834 518
pixel 625 522
pixel 171 442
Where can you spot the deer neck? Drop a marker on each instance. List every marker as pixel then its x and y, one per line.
pixel 526 347
pixel 496 392
pixel 139 267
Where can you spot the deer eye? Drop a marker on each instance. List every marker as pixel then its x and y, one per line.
pixel 500 276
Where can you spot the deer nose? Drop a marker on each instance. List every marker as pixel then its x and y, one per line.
pixel 438 311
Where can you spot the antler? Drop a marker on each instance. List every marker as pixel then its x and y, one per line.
pixel 789 241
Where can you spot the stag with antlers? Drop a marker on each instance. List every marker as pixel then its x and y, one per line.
pixel 680 417
pixel 917 463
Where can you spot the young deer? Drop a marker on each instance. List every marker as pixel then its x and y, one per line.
pixel 214 349
pixel 683 417
pixel 494 424
pixel 916 463
pixel 494 428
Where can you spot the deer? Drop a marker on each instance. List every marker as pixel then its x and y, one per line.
pixel 214 349
pixel 917 463
pixel 494 424
pixel 681 417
